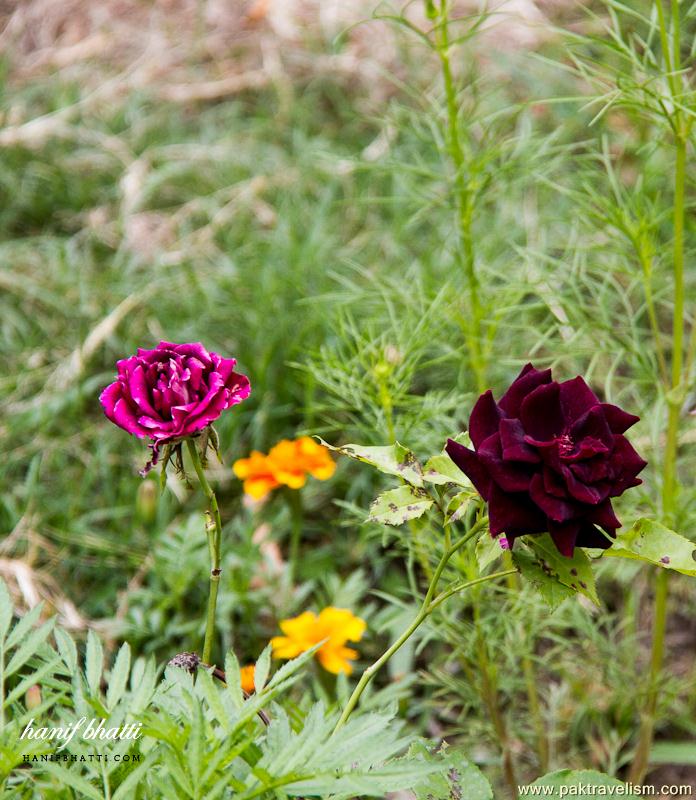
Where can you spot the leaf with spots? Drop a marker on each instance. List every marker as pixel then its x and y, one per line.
pixel 456 779
pixel 396 506
pixel 392 460
pixel 440 469
pixel 556 576
pixel 650 541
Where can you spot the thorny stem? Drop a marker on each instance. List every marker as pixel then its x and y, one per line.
pixel 675 401
pixel 213 530
pixel 465 208
pixel 429 604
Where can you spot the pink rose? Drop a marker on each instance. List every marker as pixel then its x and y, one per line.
pixel 172 392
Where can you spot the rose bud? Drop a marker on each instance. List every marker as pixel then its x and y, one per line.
pixel 549 457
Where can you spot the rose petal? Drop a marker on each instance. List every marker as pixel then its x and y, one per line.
pixel 604 516
pixel 618 419
pixel 581 491
pixel 541 413
pixel 576 398
pixel 555 508
pixel 513 514
pixel 592 425
pixel 528 380
pixel 468 462
pixel 484 418
pixel 565 536
pixel 626 464
pixel 509 476
pixel 514 446
pixel 590 536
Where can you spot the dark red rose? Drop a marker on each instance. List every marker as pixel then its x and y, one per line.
pixel 549 457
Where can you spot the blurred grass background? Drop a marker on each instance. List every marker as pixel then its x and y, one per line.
pixel 270 178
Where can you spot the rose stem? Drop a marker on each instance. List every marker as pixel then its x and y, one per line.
pixel 214 533
pixel 681 128
pixel 430 603
pixel 465 206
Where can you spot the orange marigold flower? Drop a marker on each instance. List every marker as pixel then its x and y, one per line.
pixel 247 676
pixel 291 461
pixel 316 458
pixel 335 625
pixel 257 474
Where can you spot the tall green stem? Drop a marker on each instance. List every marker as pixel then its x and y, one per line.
pixel 429 604
pixel 674 397
pixel 214 532
pixel 465 208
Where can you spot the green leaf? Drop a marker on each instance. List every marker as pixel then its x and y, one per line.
pixel 69 777
pixel 396 506
pixel 458 506
pixel 6 610
pixel 263 667
pixel 233 678
pixel 650 541
pixel 457 778
pixel 119 676
pixel 94 660
pixel 66 648
pixel 488 550
pixel 580 779
pixel 29 647
pixel 556 576
pixel 392 460
pixel 440 469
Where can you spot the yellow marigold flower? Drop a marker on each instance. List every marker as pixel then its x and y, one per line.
pixel 291 461
pixel 257 474
pixel 335 625
pixel 247 675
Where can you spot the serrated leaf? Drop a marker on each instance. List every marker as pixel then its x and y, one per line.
pixel 94 662
pixel 23 627
pixel 488 550
pixel 457 777
pixel 458 506
pixel 29 647
pixel 66 648
pixel 262 668
pixel 552 591
pixel 125 789
pixel 396 506
pixel 440 469
pixel 557 577
pixel 233 678
pixel 650 541
pixel 580 779
pixel 119 676
pixel 392 460
pixel 69 777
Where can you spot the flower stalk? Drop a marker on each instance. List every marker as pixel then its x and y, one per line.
pixel 213 529
pixel 464 201
pixel 681 127
pixel 430 602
